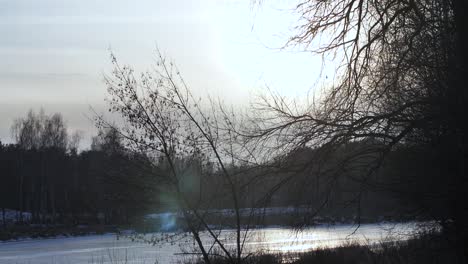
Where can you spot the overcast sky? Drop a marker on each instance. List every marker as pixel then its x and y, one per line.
pixel 54 53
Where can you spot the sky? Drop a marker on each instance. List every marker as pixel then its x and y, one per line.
pixel 54 53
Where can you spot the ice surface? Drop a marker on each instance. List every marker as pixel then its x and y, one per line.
pixel 109 249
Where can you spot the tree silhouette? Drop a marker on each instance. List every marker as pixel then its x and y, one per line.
pixel 401 82
pixel 167 124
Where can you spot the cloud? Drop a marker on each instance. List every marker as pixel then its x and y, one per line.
pixel 88 20
pixel 98 11
pixel 38 75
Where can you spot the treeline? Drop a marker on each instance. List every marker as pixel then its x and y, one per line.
pixel 406 184
pixel 339 185
pixel 335 184
pixel 46 181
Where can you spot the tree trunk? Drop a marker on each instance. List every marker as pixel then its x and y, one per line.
pixel 20 188
pixel 460 99
pixel 4 218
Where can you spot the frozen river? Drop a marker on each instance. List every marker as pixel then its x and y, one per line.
pixel 109 249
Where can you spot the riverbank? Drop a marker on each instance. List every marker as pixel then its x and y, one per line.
pixel 286 217
pixel 296 217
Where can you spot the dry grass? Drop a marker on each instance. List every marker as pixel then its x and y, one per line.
pixel 426 248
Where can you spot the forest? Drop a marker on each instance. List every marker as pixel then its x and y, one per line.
pixel 47 181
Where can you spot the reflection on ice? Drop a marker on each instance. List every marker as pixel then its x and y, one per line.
pixel 287 240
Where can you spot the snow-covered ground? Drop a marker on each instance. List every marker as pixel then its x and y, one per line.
pixel 12 215
pixel 109 249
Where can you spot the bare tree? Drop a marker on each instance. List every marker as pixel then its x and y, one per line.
pixel 27 132
pixel 192 142
pixel 74 141
pixel 402 81
pixel 46 135
pixel 39 131
pixel 54 134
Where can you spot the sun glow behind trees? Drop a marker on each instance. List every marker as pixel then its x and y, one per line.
pixel 54 54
